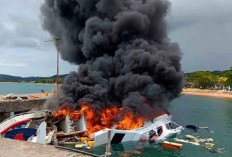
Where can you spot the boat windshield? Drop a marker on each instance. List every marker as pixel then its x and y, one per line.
pixel 160 130
pixel 171 125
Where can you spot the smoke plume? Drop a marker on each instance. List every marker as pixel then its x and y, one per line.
pixel 124 55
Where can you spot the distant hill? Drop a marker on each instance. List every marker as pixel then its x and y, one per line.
pixel 9 77
pixel 4 77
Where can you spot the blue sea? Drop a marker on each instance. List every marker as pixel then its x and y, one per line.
pixel 24 88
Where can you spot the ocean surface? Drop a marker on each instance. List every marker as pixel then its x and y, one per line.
pixel 200 111
pixel 24 88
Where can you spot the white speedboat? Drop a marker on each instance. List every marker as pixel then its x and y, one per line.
pixel 159 129
pixel 20 120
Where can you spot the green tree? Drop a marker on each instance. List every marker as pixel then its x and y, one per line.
pixel 50 80
pixel 202 79
pixel 228 75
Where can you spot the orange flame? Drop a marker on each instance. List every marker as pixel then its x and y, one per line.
pixel 105 119
pixel 130 121
pixel 67 111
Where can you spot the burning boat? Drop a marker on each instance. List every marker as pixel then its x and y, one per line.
pixel 114 125
pixel 127 128
pixel 159 129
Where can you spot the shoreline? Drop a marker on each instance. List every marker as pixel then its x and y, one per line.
pixel 31 83
pixel 208 93
pixel 21 88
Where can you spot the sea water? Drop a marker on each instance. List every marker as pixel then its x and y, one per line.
pixel 24 88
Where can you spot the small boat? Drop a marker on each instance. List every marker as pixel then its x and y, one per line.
pixel 20 121
pixel 17 127
pixel 159 129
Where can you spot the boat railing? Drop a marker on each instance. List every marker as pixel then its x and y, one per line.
pixel 20 114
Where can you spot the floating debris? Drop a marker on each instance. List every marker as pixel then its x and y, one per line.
pixel 209 145
pixel 126 154
pixel 172 145
pixel 79 145
pixel 197 141
pixel 219 151
pixel 196 128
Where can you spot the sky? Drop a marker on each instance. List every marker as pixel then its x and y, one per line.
pixel 203 30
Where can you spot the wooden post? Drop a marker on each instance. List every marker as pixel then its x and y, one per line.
pixel 57 44
pixel 108 153
pixel 57 72
pixel 56 41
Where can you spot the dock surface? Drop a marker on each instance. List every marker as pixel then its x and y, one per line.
pixel 13 148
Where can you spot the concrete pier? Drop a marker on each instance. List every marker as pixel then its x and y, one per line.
pixel 12 148
pixel 21 105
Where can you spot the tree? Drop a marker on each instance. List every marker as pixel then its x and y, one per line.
pixel 222 81
pixel 50 80
pixel 202 79
pixel 228 75
pixel 206 82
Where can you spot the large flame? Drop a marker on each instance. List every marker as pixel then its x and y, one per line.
pixel 130 121
pixel 107 118
pixel 67 111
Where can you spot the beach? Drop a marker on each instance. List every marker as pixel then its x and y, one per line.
pixel 205 92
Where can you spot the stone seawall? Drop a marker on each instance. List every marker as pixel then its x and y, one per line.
pixel 21 105
pixel 18 106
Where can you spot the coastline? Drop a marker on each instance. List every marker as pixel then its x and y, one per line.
pixel 24 88
pixel 208 93
pixel 29 83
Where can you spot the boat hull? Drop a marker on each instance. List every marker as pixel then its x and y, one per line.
pixel 118 136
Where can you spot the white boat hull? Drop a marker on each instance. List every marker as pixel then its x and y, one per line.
pixel 117 136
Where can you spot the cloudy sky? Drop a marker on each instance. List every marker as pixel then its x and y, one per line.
pixel 202 28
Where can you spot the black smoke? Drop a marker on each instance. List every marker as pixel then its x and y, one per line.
pixel 121 46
